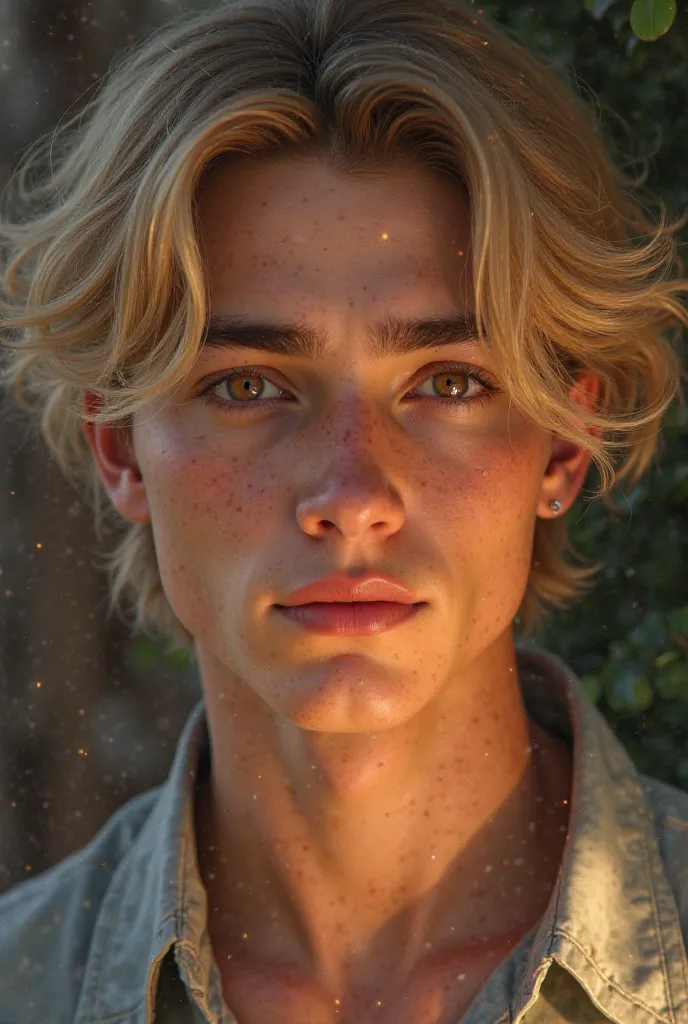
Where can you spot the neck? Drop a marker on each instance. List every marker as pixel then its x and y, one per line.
pixel 353 854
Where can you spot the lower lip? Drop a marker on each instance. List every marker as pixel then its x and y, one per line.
pixel 350 618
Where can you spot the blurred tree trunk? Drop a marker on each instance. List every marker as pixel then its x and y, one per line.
pixel 75 733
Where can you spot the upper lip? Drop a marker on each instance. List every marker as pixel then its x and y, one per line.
pixel 339 587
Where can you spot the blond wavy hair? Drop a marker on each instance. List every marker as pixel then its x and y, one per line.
pixel 103 285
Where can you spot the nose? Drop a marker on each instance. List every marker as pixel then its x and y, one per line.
pixel 353 499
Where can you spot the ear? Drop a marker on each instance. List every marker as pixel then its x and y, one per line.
pixel 568 463
pixel 116 463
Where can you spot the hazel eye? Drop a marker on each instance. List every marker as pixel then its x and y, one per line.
pixel 448 384
pixel 456 387
pixel 246 387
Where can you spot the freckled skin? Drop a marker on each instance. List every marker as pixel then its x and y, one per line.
pixel 362 788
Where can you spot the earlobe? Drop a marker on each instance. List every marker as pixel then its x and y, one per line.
pixel 563 478
pixel 569 463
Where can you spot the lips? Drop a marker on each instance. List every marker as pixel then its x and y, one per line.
pixel 342 588
pixel 347 606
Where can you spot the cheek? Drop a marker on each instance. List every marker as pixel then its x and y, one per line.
pixel 199 497
pixel 482 504
pixel 487 486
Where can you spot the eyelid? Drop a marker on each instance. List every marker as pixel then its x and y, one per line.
pixel 260 371
pixel 483 376
pixel 268 373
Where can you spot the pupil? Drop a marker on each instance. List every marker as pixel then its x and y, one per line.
pixel 449 382
pixel 246 385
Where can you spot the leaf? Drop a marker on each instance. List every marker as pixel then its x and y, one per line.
pixel 666 659
pixel 672 682
pixel 650 19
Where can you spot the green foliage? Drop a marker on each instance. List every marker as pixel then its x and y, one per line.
pixel 650 19
pixel 628 639
pixel 146 655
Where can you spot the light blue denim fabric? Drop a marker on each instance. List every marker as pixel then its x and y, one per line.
pixel 116 933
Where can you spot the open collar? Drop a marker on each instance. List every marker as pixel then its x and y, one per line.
pixel 611 921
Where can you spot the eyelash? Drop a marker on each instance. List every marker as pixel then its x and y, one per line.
pixel 243 408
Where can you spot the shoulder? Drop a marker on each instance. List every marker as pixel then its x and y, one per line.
pixel 668 806
pixel 46 922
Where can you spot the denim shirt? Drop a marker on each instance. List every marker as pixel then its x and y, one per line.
pixel 116 933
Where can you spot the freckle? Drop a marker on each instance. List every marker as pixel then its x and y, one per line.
pixel 426 814
pixel 475 721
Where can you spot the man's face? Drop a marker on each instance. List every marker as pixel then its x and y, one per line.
pixel 344 462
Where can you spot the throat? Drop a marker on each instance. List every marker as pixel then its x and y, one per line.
pixel 405 873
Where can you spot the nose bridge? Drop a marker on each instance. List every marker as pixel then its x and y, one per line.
pixel 355 437
pixel 349 484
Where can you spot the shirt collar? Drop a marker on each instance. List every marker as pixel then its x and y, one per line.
pixel 611 922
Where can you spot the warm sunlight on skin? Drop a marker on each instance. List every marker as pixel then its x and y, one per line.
pixel 360 784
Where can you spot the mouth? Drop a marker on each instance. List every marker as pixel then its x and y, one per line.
pixel 349 618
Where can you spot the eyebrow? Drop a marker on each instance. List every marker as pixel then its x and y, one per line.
pixel 389 336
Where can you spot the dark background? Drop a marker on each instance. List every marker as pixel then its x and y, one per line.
pixel 90 715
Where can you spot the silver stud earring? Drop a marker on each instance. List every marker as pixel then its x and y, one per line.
pixel 555 505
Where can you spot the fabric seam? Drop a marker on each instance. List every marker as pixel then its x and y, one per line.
pixel 612 984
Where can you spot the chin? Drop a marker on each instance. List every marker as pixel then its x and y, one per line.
pixel 349 694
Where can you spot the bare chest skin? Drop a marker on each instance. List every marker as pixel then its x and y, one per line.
pixel 439 992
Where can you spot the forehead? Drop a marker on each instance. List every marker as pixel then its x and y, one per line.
pixel 293 231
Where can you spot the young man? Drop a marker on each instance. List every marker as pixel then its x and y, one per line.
pixel 343 302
